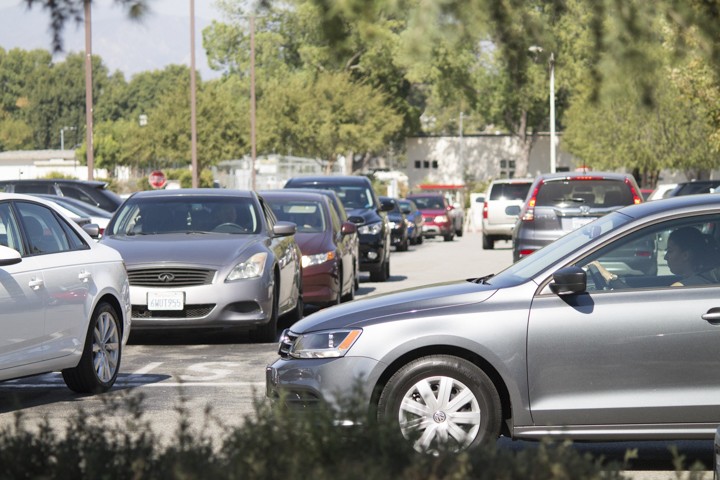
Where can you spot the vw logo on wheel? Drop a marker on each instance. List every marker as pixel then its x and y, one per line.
pixel 166 277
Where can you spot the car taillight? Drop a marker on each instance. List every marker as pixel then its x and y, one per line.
pixel 525 252
pixel 485 211
pixel 528 214
pixel 636 196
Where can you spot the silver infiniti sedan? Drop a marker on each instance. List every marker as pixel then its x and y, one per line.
pixel 207 258
pixel 570 342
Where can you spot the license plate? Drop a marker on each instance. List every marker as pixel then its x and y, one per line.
pixel 166 300
pixel 578 222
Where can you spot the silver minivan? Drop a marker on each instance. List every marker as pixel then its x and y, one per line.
pixel 498 219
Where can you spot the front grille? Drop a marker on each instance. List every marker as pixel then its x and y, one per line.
pixel 287 340
pixel 190 311
pixel 171 277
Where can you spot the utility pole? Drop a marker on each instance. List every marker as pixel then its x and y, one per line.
pixel 253 147
pixel 88 94
pixel 193 109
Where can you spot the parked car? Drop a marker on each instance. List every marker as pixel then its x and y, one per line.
pixel 329 259
pixel 662 191
pixel 64 299
pixel 365 210
pixel 415 219
pixel 92 192
pixel 79 208
pixel 207 258
pixel 343 216
pixel 399 235
pixel 561 202
pixel 694 187
pixel 541 349
pixel 436 211
pixel 498 213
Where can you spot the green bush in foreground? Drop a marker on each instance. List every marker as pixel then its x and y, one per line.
pixel 118 443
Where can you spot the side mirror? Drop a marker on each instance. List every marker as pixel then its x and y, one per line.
pixel 92 229
pixel 387 206
pixel 569 280
pixel 284 229
pixel 348 228
pixel 357 220
pixel 512 210
pixel 9 256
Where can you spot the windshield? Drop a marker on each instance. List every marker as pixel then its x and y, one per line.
pixel 150 216
pixel 531 266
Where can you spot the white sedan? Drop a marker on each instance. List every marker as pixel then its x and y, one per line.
pixel 64 299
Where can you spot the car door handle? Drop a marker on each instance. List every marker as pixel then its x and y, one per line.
pixel 712 316
pixel 35 283
pixel 84 276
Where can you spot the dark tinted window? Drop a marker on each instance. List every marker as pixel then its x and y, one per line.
pixel 692 188
pixel 34 188
pixel 509 191
pixel 593 193
pixel 430 202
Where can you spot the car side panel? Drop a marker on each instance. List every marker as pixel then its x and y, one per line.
pixel 593 359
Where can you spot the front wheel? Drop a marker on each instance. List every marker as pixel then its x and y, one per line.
pixel 100 362
pixel 442 403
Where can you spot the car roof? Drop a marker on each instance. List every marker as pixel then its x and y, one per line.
pixel 329 180
pixel 300 194
pixel 512 180
pixel 583 175
pixel 672 203
pixel 94 183
pixel 205 192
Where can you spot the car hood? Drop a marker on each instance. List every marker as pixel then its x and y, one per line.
pixel 312 243
pixel 201 249
pixel 368 215
pixel 401 305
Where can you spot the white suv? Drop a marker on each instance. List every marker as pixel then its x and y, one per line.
pixel 497 223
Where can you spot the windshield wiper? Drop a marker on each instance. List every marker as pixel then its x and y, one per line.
pixel 484 280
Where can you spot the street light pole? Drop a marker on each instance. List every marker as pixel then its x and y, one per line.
pixel 90 150
pixel 193 101
pixel 253 147
pixel 553 157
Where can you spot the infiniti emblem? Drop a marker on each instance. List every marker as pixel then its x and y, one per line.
pixel 166 277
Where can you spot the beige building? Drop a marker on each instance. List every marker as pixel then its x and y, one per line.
pixel 29 164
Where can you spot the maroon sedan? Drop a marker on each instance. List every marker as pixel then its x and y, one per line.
pixel 328 252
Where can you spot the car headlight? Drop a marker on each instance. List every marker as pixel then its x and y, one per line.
pixel 370 229
pixel 251 268
pixel 393 225
pixel 326 344
pixel 317 259
pixel 441 219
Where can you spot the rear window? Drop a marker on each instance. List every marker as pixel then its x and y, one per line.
pixel 592 193
pixel 509 191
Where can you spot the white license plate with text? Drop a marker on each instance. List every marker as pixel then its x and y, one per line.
pixel 166 300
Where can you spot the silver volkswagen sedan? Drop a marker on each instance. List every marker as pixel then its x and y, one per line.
pixel 207 258
pixel 570 342
pixel 64 299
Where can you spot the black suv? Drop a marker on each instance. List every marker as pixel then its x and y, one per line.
pixel 366 211
pixel 88 191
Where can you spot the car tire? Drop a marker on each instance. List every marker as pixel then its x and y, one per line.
pixel 100 361
pixel 488 242
pixel 429 426
pixel 449 237
pixel 419 240
pixel 268 333
pixel 404 245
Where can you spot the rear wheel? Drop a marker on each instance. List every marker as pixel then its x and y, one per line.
pixel 449 237
pixel 350 296
pixel 441 402
pixel 100 362
pixel 382 274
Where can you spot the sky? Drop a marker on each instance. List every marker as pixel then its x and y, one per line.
pixel 160 39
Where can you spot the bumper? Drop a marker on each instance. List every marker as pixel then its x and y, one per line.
pixel 436 229
pixel 321 283
pixel 307 383
pixel 372 252
pixel 246 303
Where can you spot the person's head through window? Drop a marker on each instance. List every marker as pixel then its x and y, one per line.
pixel 224 213
pixel 688 252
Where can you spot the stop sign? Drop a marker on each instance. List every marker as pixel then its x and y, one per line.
pixel 157 179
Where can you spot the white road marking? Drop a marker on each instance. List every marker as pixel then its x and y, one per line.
pixel 147 368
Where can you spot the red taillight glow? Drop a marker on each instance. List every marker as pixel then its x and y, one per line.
pixel 526 252
pixel 636 196
pixel 485 210
pixel 529 210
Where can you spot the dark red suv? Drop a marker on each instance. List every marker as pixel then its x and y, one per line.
pixel 440 219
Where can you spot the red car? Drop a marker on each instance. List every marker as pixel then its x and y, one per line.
pixel 438 215
pixel 327 244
